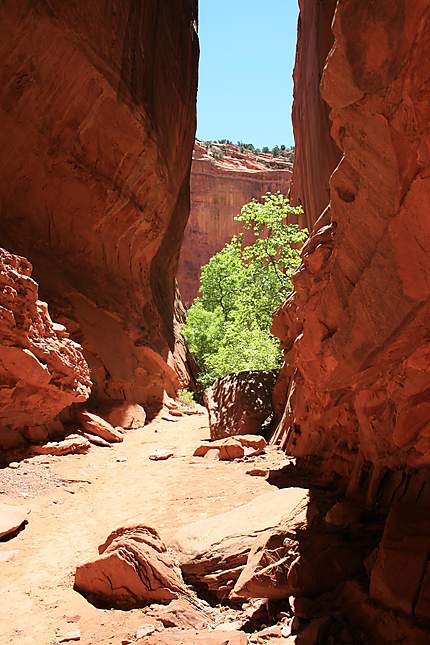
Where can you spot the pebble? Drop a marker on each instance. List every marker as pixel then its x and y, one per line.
pixel 14 464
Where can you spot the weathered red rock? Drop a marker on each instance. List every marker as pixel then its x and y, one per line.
pixel 220 186
pixel 232 447
pixel 355 332
pixel 180 613
pixel 71 445
pixel 129 416
pixel 11 518
pixel 316 153
pixel 400 577
pixel 213 551
pixel 94 175
pixel 95 425
pixel 42 371
pixel 240 403
pixel 133 569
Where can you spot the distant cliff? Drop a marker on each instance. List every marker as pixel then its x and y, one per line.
pixel 223 179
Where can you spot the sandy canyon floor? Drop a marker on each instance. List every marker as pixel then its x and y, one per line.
pixel 77 500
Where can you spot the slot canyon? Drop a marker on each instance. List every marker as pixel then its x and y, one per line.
pixel 294 507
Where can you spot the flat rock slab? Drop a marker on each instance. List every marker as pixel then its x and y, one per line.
pixel 213 552
pixel 196 638
pixel 11 518
pixel 71 445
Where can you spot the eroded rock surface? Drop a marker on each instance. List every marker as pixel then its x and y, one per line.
pixel 134 569
pixel 355 332
pixel 221 183
pixel 212 552
pixel 95 173
pixel 240 403
pixel 42 370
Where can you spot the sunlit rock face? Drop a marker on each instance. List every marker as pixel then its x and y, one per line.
pixel 356 330
pixel 317 154
pixel 97 104
pixel 220 186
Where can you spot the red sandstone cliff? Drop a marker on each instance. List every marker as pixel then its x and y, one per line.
pixel 356 330
pixel 97 104
pixel 219 189
pixel 316 154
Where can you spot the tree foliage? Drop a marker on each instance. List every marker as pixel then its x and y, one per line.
pixel 227 327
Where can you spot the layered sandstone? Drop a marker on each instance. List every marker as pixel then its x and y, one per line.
pixel 42 370
pixel 316 153
pixel 223 179
pixel 356 331
pixel 94 174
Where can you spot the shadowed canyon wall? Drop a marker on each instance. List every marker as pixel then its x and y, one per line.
pixel 220 186
pixel 97 105
pixel 317 154
pixel 356 330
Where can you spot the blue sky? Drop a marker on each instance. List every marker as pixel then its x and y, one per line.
pixel 246 63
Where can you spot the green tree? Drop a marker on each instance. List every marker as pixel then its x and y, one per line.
pixel 227 327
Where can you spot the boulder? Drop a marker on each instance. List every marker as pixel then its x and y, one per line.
pixel 11 518
pixel 232 448
pixel 130 416
pixel 71 445
pixel 134 569
pixel 266 570
pixel 95 425
pixel 212 552
pixel 240 403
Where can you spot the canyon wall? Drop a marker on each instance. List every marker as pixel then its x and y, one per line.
pixel 222 181
pixel 356 330
pixel 94 175
pixel 316 153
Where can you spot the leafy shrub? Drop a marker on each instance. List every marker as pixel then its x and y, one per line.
pixel 227 327
pixel 185 396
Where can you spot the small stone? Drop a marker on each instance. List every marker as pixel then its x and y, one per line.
pixel 257 472
pixel 121 460
pixel 73 635
pixel 145 630
pixel 160 454
pixel 14 464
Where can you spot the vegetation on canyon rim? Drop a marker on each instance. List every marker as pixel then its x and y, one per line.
pixel 228 326
pixel 218 147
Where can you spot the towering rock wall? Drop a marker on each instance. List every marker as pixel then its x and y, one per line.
pixel 356 331
pixel 94 173
pixel 316 153
pixel 220 186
